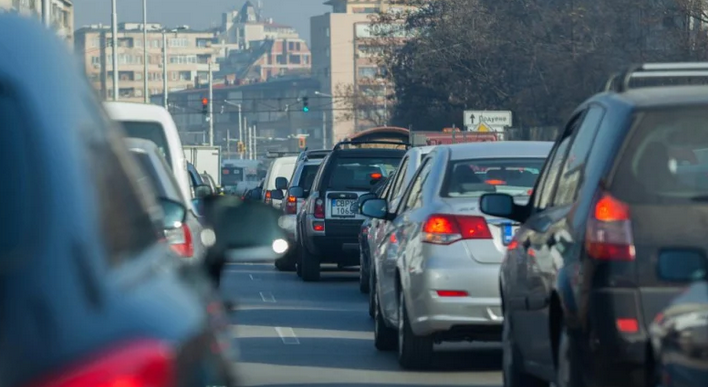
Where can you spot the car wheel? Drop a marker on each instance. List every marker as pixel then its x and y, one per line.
pixel 512 373
pixel 384 336
pixel 414 352
pixel 285 263
pixel 310 266
pixel 568 372
pixel 363 275
pixel 372 294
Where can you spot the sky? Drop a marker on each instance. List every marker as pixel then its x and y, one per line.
pixel 197 14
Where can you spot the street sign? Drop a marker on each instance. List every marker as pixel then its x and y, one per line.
pixel 472 118
pixel 482 127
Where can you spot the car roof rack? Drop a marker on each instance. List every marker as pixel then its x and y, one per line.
pixel 278 154
pixel 314 154
pixel 619 82
pixel 383 142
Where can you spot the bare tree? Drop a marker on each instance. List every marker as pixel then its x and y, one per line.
pixel 368 106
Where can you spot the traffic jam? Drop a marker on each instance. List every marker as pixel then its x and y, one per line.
pixel 584 258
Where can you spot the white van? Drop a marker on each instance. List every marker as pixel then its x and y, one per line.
pixel 281 167
pixel 154 123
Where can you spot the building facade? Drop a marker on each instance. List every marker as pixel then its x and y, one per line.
pixel 344 61
pixel 255 48
pixel 61 14
pixel 188 55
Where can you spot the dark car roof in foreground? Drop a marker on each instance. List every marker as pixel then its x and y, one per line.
pixel 657 97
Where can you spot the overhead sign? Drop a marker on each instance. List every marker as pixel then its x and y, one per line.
pixel 499 118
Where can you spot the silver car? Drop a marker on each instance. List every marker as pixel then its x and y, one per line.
pixel 438 264
pixel 185 240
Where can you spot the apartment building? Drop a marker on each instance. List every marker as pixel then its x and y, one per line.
pixel 61 13
pixel 344 57
pixel 257 49
pixel 188 55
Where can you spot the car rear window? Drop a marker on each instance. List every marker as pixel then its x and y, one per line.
pixel 150 172
pixel 355 174
pixel 152 131
pixel 665 158
pixel 470 178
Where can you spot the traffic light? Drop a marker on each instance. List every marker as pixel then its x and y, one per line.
pixel 240 147
pixel 302 142
pixel 305 105
pixel 205 106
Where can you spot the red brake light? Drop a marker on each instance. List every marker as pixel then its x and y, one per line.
pixel 319 211
pixel 376 175
pixel 291 205
pixel 628 325
pixel 180 240
pixel 451 293
pixel 446 228
pixel 318 226
pixel 145 363
pixel 513 244
pixel 608 234
pixel 495 182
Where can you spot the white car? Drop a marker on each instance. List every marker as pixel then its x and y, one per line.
pixel 438 268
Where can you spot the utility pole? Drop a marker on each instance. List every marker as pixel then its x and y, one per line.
pixel 165 90
pixel 47 12
pixel 114 22
pixel 145 53
pixel 248 138
pixel 240 129
pixel 211 106
pixel 324 129
pixel 255 143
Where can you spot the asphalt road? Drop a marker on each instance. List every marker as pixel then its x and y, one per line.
pixel 292 333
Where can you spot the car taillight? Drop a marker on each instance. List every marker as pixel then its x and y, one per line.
pixel 180 239
pixel 608 233
pixel 319 211
pixel 446 228
pixel 146 363
pixel 291 205
pixel 267 197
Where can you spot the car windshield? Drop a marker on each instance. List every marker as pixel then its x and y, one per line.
pixel 360 174
pixel 666 158
pixel 469 178
pixel 149 131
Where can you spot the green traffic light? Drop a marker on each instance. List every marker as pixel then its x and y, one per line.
pixel 305 109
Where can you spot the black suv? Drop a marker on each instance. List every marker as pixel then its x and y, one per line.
pixel 329 225
pixel 623 193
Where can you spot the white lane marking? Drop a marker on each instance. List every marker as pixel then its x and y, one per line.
pixel 267 297
pixel 287 335
pixel 254 278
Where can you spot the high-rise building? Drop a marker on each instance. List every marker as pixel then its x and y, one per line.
pixel 61 13
pixel 188 55
pixel 343 58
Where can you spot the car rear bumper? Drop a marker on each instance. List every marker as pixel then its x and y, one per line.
pixel 339 250
pixel 449 268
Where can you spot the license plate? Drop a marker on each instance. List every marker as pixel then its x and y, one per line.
pixel 507 233
pixel 343 207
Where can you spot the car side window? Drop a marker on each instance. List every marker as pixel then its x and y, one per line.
pixel 583 138
pixel 553 167
pixel 129 213
pixel 416 199
pixel 400 177
pixel 318 176
pixel 411 189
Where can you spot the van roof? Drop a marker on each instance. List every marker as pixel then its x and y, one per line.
pixel 131 111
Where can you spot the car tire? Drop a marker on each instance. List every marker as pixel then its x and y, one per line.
pixel 310 266
pixel 385 337
pixel 372 294
pixel 363 275
pixel 569 373
pixel 414 352
pixel 285 264
pixel 512 371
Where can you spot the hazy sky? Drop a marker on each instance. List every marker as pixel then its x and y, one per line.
pixel 197 13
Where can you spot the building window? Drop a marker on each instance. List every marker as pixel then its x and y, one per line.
pixel 326 72
pixel 368 72
pixel 327 52
pixel 95 42
pixel 327 32
pixel 295 59
pixel 298 46
pixel 203 42
pixel 178 42
pixel 280 59
pixel 185 75
pixel 95 60
pixel 183 59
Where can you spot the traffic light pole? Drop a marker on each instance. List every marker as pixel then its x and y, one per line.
pixel 211 106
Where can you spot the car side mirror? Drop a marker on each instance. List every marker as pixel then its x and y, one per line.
pixel 682 266
pixel 503 206
pixel 277 194
pixel 297 192
pixel 201 191
pixel 375 208
pixel 240 231
pixel 362 199
pixel 281 183
pixel 174 214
